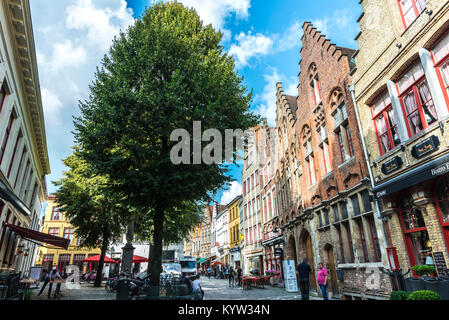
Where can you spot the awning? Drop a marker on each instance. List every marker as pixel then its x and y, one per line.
pixel 430 170
pixel 96 259
pixel 8 195
pixel 39 236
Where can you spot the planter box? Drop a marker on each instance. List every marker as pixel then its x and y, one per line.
pixel 412 285
pixel 439 286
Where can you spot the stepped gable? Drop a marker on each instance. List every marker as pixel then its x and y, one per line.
pixel 289 101
pixel 336 51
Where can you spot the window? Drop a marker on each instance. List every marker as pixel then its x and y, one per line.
pixel 356 205
pixel 367 205
pixel 343 133
pixel 375 239
pixel 320 221
pixel 340 240
pixel 362 240
pixel 2 97
pixel 326 216
pixel 414 229
pixel 417 104
pixel 324 143
pixel 349 242
pixel 22 159
pixel 316 90
pixel 68 234
pixel 410 10
pixel 310 161
pixel 53 232
pixel 18 140
pixel 441 59
pixel 442 204
pixel 344 210
pixel 55 214
pixel 244 187
pixel 336 215
pixel 385 124
pixel 6 137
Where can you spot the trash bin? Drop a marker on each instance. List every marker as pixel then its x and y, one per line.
pixel 123 289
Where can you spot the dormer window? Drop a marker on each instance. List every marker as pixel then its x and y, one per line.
pixel 410 10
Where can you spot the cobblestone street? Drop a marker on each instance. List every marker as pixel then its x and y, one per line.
pixel 216 289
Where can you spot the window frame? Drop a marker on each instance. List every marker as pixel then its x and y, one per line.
pixel 438 64
pixel 414 87
pixel 384 113
pixel 415 9
pixel 6 137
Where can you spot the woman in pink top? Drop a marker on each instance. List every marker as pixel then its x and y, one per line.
pixel 322 279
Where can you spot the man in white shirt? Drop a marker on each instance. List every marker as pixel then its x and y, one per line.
pixel 53 275
pixel 197 287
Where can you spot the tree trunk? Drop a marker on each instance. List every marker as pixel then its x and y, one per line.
pixel 156 248
pixel 104 248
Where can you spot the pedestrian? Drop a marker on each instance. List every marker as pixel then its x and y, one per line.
pixel 53 275
pixel 239 276
pixel 322 280
pixel 224 272
pixel 46 280
pixel 303 272
pixel 231 275
pixel 197 287
pixel 209 271
pixel 186 281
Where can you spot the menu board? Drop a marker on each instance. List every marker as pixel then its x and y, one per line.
pixel 35 273
pixel 440 264
pixel 291 284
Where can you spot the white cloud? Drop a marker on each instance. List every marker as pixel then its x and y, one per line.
pixel 267 106
pixel 52 106
pixel 249 46
pixel 101 24
pixel 234 190
pixel 216 12
pixel 322 25
pixel 64 55
pixel 291 38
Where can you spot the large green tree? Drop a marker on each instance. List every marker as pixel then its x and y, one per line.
pixel 95 212
pixel 167 71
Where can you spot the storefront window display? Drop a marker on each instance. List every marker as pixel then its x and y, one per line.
pixel 415 231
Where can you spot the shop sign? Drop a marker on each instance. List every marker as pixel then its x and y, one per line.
pixel 392 165
pixel 278 252
pixel 427 146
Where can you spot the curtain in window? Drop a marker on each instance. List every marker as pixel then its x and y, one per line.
pixel 441 49
pixel 426 100
pixel 408 11
pixel 420 5
pixel 411 108
pixel 445 73
pixel 410 77
pixel 382 129
pixel 393 127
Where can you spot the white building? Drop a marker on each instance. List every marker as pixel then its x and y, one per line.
pixel 23 148
pixel 222 235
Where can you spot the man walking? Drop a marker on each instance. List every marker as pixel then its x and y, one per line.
pixel 303 272
pixel 239 276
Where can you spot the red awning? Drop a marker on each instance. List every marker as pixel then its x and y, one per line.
pixel 39 236
pixel 138 259
pixel 96 259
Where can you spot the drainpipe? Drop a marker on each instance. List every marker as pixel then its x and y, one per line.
pixel 379 216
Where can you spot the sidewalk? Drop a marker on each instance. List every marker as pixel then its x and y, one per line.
pixel 86 292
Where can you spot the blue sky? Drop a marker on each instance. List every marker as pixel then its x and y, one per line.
pixel 264 36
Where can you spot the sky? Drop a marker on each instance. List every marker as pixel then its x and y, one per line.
pixel 264 36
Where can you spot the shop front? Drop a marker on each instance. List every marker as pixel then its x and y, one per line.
pixel 234 254
pixel 274 249
pixel 417 207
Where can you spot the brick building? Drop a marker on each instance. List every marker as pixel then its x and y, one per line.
pixel 401 89
pixel 335 221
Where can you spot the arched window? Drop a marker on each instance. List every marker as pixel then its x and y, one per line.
pixel 415 231
pixel 442 204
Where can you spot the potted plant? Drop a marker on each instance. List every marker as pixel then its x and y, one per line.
pixel 399 295
pixel 424 270
pixel 424 295
pixel 26 294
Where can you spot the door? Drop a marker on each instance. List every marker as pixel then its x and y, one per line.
pixel 330 265
pixel 311 260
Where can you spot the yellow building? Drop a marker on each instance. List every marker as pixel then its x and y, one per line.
pixel 56 224
pixel 234 231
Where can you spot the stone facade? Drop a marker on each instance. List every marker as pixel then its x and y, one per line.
pixel 408 182
pixel 331 218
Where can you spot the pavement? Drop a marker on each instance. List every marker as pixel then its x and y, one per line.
pixel 218 289
pixel 214 289
pixel 85 292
